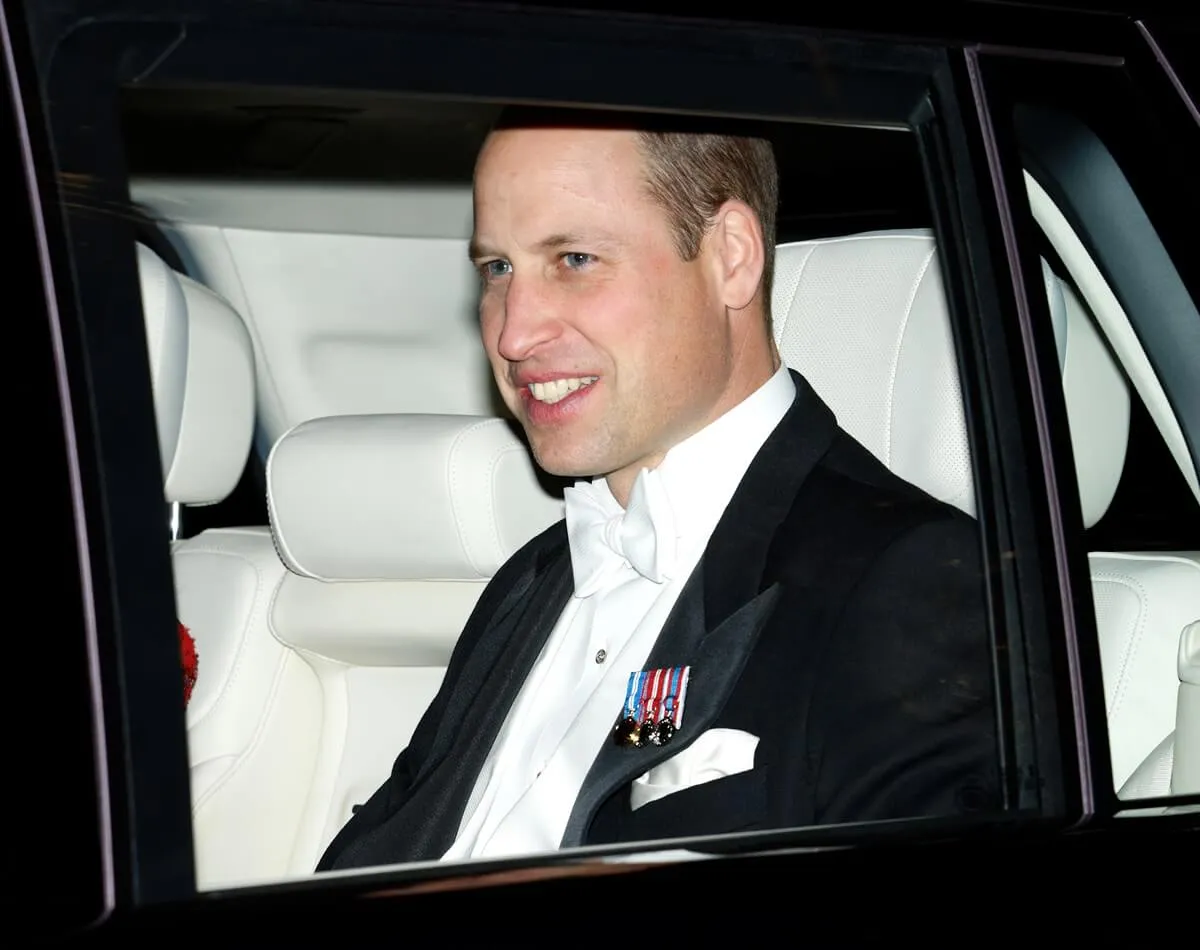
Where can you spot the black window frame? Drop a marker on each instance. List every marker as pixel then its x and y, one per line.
pixel 58 736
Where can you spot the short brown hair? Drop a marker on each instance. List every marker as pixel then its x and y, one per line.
pixel 692 174
pixel 691 170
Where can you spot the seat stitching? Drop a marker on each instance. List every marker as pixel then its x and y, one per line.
pixel 241 757
pixel 454 480
pixel 247 319
pixel 795 290
pixel 891 388
pixel 272 696
pixel 278 540
pixel 1135 640
pixel 495 501
pixel 245 625
pixel 311 801
pixel 856 238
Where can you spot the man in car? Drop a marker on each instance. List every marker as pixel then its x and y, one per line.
pixel 745 621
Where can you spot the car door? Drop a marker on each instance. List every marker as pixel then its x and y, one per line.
pixel 117 767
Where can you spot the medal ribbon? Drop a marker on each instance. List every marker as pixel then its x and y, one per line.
pixel 671 694
pixel 644 699
pixel 656 696
pixel 653 714
pixel 673 701
pixel 679 691
pixel 633 691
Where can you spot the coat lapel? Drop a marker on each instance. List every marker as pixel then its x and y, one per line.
pixel 487 688
pixel 739 547
pixel 716 657
pixel 724 604
pixel 505 652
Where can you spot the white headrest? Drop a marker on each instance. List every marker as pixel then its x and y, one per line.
pixel 217 428
pixel 1058 311
pixel 403 497
pixel 864 320
pixel 202 367
pixel 1097 398
pixel 167 342
pixel 1189 654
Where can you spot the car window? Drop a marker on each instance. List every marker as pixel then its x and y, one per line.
pixel 307 478
pixel 1108 174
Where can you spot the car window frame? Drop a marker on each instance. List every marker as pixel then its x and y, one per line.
pixel 58 734
pixel 984 282
pixel 1003 74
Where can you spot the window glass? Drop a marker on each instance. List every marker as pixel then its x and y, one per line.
pixel 352 271
pixel 303 300
pixel 1112 192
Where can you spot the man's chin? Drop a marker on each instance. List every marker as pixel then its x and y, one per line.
pixel 569 471
pixel 562 466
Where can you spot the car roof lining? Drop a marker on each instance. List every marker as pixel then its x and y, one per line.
pixel 834 178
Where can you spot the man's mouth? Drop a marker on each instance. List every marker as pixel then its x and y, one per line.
pixel 557 389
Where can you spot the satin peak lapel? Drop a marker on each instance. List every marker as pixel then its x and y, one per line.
pixel 716 657
pixel 498 665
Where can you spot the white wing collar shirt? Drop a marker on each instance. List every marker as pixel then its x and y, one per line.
pixel 629 567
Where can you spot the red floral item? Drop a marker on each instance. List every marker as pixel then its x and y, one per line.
pixel 187 647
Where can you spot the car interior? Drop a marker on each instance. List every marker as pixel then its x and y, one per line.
pixel 342 481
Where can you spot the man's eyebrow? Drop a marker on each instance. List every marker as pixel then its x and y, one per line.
pixel 555 241
pixel 576 239
pixel 477 251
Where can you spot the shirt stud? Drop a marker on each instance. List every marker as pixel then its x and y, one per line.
pixel 601 656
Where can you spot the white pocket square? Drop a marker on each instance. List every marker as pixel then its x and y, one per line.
pixel 715 754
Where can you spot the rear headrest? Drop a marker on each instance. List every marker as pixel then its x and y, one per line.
pixel 403 497
pixel 202 369
pixel 167 343
pixel 1189 654
pixel 864 319
pixel 1097 398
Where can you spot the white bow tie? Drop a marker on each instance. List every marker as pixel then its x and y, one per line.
pixel 603 537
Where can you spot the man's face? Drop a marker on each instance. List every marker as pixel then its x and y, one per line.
pixel 606 346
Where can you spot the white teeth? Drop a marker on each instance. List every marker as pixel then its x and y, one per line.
pixel 556 389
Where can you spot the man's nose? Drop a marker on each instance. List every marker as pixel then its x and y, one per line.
pixel 530 318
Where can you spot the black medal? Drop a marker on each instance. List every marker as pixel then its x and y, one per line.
pixel 664 732
pixel 627 731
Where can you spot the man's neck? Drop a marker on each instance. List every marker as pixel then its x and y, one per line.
pixel 620 483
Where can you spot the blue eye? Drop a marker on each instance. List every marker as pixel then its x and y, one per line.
pixel 576 260
pixel 492 270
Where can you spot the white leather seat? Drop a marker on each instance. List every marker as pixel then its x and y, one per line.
pixel 203 376
pixel 1143 600
pixel 391 527
pixel 1186 775
pixel 864 318
pixel 310 682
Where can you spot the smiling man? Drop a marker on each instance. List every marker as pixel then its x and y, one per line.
pixel 745 621
pixel 608 343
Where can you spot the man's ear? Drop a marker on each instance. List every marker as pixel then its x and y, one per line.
pixel 738 252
